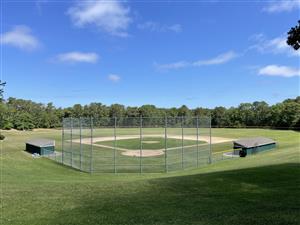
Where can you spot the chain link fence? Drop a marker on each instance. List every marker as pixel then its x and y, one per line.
pixel 137 145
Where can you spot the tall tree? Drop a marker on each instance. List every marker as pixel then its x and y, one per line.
pixel 2 84
pixel 77 110
pixel 218 116
pixel 132 112
pixel 261 112
pixel 148 111
pixel 184 111
pixel 294 37
pixel 117 110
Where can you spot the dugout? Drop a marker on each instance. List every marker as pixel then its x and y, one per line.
pixel 40 146
pixel 248 146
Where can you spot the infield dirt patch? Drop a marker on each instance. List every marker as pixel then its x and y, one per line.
pixel 143 153
pixel 149 152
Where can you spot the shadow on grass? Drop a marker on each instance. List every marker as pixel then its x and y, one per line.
pixel 262 195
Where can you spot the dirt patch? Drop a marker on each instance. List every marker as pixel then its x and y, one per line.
pixel 143 153
pixel 149 152
pixel 150 142
pixel 214 140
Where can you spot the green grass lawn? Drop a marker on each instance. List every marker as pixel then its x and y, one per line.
pixel 150 143
pixel 260 189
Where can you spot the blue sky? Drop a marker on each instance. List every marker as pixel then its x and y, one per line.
pixel 197 53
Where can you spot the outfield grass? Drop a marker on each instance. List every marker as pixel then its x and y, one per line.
pixel 260 189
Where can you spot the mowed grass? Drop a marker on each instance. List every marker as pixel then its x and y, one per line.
pixel 150 143
pixel 105 159
pixel 260 189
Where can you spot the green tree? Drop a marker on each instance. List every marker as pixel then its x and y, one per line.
pixel 172 112
pixel 148 111
pixel 117 110
pixel 201 112
pixel 246 114
pixel 23 121
pixel 261 111
pixel 26 114
pixel 218 116
pixel 132 112
pixel 77 111
pixel 5 118
pixel 184 111
pixel 290 114
pixel 293 38
pixel 96 110
pixel 2 84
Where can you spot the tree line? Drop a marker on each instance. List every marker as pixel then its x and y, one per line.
pixel 25 114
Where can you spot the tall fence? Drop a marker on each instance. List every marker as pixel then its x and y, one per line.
pixel 139 145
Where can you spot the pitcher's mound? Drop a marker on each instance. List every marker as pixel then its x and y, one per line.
pixel 144 153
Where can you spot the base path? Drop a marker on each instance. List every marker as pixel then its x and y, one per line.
pixel 149 152
pixel 214 140
pixel 143 153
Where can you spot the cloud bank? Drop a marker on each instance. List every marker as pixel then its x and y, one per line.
pixel 276 45
pixel 282 6
pixel 280 71
pixel 219 59
pixel 20 37
pixel 77 57
pixel 111 17
pixel 157 27
pixel 114 77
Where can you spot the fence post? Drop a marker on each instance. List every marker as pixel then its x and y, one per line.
pixel 141 143
pixel 62 141
pixel 71 142
pixel 166 139
pixel 80 157
pixel 210 149
pixel 91 154
pixel 115 140
pixel 197 141
pixel 182 142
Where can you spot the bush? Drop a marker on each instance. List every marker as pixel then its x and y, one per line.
pixel 2 137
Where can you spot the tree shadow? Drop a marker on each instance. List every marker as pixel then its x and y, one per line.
pixel 261 195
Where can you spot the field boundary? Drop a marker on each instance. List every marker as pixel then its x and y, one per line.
pixel 149 152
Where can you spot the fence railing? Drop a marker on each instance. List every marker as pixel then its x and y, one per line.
pixel 139 145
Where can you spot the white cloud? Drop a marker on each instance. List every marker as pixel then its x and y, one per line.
pixel 175 27
pixel 157 27
pixel 281 71
pixel 21 37
pixel 276 45
pixel 220 59
pixel 170 66
pixel 109 16
pixel 149 25
pixel 114 77
pixel 282 6
pixel 76 57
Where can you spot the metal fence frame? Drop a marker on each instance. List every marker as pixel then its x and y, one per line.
pixel 84 159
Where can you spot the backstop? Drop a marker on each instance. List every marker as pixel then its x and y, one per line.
pixel 136 145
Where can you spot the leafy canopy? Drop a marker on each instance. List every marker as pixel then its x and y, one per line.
pixel 294 37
